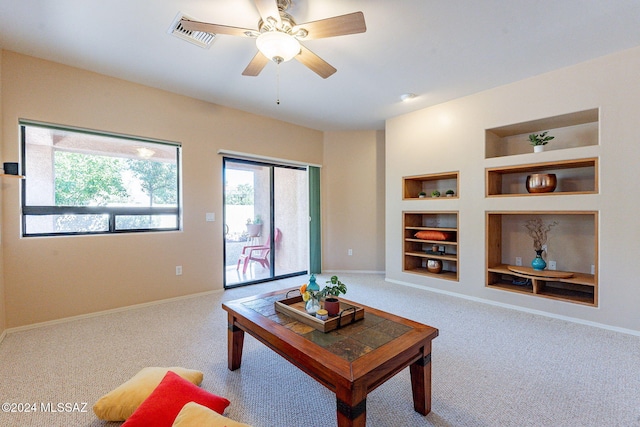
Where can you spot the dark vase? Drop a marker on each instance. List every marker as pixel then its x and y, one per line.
pixel 538 263
pixel 332 305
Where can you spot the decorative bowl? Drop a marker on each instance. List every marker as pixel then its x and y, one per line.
pixel 434 266
pixel 541 182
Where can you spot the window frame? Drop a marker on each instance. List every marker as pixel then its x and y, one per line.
pixel 112 212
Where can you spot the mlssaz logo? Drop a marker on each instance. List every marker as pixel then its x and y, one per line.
pixel 63 407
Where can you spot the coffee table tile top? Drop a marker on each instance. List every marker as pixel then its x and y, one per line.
pixel 264 306
pixel 350 342
pixel 349 349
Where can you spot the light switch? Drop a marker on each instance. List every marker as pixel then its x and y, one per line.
pixel 211 216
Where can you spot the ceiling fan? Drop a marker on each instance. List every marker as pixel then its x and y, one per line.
pixel 278 36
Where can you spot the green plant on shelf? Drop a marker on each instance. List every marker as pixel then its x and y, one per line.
pixel 540 138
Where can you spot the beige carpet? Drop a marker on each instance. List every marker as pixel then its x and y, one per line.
pixel 491 366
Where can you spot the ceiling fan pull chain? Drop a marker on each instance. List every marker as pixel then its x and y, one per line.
pixel 278 83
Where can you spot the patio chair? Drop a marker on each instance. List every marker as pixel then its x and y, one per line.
pixel 258 253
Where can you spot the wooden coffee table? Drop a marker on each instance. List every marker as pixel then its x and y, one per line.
pixel 351 361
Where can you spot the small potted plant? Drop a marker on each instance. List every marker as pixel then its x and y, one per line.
pixel 422 194
pixel 450 193
pixel 539 140
pixel 331 291
pixel 435 193
pixel 254 228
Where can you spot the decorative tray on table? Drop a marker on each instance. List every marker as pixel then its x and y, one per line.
pixel 294 307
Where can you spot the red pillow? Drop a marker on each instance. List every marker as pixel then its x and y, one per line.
pixel 433 235
pixel 165 402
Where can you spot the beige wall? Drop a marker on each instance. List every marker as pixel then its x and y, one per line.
pixel 353 201
pixel 450 137
pixel 53 278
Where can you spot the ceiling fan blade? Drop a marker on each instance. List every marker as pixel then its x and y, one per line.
pixel 214 28
pixel 351 23
pixel 256 65
pixel 315 63
pixel 268 8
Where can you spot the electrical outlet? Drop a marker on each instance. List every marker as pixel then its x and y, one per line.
pixel 518 260
pixel 350 252
pixel 552 265
pixel 178 270
pixel 210 216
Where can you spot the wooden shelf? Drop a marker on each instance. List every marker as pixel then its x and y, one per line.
pixel 579 289
pixel 445 256
pixel 575 176
pixel 577 129
pixel 436 242
pixel 6 175
pixel 574 244
pixel 413 185
pixel 416 250
pixel 576 278
pixel 444 274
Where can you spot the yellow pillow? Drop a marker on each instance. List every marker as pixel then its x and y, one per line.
pixel 121 402
pixel 195 415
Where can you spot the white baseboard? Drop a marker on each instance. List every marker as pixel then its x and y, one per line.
pixel 518 308
pixel 104 312
pixel 353 271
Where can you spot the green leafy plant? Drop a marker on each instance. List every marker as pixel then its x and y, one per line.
pixel 540 138
pixel 450 193
pixel 257 220
pixel 435 193
pixel 422 194
pixel 334 288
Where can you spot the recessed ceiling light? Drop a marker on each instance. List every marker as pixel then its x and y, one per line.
pixel 405 97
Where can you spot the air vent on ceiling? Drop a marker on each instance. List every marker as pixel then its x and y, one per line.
pixel 198 38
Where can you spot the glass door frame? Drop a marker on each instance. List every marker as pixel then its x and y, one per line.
pixel 271 221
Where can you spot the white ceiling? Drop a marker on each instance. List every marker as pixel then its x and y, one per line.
pixel 438 49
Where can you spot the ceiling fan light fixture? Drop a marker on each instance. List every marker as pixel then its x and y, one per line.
pixel 278 46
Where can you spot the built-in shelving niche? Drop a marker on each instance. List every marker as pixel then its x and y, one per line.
pixel 574 176
pixel 572 244
pixel 418 251
pixel 579 129
pixel 442 182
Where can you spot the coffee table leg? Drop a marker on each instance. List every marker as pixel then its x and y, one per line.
pixel 351 407
pixel 421 383
pixel 235 341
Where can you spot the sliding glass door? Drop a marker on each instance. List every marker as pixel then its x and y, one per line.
pixel 266 220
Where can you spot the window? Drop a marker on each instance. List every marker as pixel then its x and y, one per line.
pixel 86 182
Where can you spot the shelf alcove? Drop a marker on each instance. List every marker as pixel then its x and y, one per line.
pixel 572 244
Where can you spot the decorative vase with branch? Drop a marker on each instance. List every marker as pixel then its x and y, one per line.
pixel 538 230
